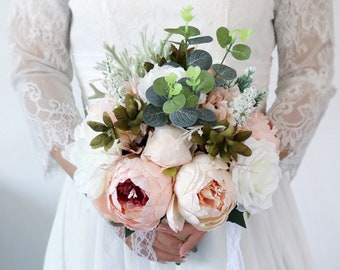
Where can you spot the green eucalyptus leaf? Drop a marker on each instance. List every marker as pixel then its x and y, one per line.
pixel 223 37
pixel 154 116
pixel 154 98
pixel 241 51
pixel 97 126
pixel 174 104
pixel 206 115
pixel 191 100
pixel 184 117
pixel 200 58
pixel 225 72
pixel 200 40
pixel 207 82
pixel 160 86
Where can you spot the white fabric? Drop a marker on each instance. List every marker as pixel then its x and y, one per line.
pixel 40 30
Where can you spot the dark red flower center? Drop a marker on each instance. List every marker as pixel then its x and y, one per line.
pixel 128 192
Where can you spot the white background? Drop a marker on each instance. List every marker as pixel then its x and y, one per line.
pixel 28 201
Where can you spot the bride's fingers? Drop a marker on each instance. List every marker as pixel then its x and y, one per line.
pixel 168 243
pixel 164 256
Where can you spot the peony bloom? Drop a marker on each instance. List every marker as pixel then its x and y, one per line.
pixel 257 176
pixel 155 73
pixel 137 195
pixel 168 147
pixel 217 101
pixel 261 128
pixel 89 177
pixel 205 194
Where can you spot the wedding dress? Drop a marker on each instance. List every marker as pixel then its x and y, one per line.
pixel 54 38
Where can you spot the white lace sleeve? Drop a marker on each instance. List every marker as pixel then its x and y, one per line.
pixel 305 46
pixel 42 71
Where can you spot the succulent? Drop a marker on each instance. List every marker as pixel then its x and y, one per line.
pixel 222 140
pixel 129 117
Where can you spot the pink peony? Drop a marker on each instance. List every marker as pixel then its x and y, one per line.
pixel 137 194
pixel 262 128
pixel 205 194
pixel 217 101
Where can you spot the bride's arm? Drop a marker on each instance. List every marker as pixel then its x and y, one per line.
pixel 39 33
pixel 305 47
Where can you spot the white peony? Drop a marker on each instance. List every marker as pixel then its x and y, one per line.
pixel 168 147
pixel 90 174
pixel 257 176
pixel 204 194
pixel 155 73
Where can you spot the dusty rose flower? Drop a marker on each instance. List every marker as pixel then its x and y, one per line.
pixel 217 101
pixel 167 147
pixel 205 194
pixel 261 128
pixel 137 194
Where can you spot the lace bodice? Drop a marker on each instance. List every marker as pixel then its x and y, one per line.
pixel 44 41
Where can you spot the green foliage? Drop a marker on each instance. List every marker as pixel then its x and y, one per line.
pixel 130 117
pixel 108 133
pixel 222 140
pixel 237 217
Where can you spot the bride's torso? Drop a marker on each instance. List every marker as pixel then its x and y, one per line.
pixel 120 22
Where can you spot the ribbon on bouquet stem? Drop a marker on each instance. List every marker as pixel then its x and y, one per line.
pixel 234 254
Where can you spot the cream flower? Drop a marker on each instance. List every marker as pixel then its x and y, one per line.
pixel 205 194
pixel 89 176
pixel 138 194
pixel 257 176
pixel 155 73
pixel 168 147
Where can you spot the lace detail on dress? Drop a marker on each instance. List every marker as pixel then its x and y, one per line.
pixel 142 243
pixel 52 121
pixel 304 38
pixel 39 32
pixel 39 24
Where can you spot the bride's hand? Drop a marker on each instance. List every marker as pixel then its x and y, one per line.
pixel 171 246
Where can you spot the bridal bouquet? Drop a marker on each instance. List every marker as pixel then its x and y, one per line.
pixel 175 138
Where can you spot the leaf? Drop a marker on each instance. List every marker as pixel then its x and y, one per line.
pixel 227 73
pixel 191 100
pixel 120 113
pixel 174 104
pixel 107 120
pixel 207 82
pixel 170 171
pixel 97 126
pixel 160 86
pixel 184 117
pixel 242 136
pixel 192 31
pixel 154 116
pixel 241 52
pixel 128 232
pixel 100 140
pixel 223 37
pixel 237 217
pixel 154 98
pixel 207 116
pixel 200 58
pixel 97 92
pixel 200 40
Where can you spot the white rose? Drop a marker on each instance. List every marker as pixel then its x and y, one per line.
pixel 167 147
pixel 257 176
pixel 205 194
pixel 155 73
pixel 90 173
